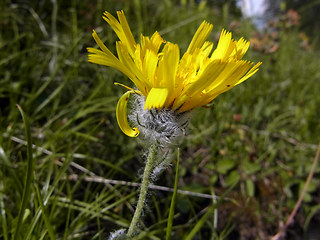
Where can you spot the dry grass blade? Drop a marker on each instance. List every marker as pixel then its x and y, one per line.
pixel 296 207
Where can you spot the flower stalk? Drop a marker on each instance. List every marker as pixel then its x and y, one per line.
pixel 143 190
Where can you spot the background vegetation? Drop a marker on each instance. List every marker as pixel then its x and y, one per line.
pixel 256 143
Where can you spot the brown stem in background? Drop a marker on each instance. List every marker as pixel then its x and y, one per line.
pixel 296 207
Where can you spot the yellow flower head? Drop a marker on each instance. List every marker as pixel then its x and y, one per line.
pixel 164 79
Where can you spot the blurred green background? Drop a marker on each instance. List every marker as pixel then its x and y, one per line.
pixel 256 143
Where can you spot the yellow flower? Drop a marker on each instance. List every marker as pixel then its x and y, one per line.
pixel 166 80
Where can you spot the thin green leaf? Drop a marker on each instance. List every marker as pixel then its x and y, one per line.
pixel 53 95
pixel 3 214
pixel 173 199
pixel 199 224
pixel 29 175
pixel 44 216
pixel 204 218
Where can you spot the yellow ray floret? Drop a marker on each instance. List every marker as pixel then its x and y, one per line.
pixel 200 36
pixel 156 98
pixel 122 29
pixel 165 79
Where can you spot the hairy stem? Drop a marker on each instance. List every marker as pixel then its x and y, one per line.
pixel 143 190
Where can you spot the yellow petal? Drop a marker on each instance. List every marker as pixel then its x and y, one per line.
pixel 168 66
pixel 225 46
pixel 150 65
pixel 110 60
pixel 127 61
pixel 156 41
pixel 192 103
pixel 234 78
pixel 103 58
pixel 101 44
pixel 241 48
pixel 137 57
pixel 200 36
pixel 152 44
pixel 209 75
pixel 106 57
pixel 122 30
pixel 232 72
pixel 121 113
pixel 193 92
pixel 229 82
pixel 252 71
pixel 156 98
pixel 207 48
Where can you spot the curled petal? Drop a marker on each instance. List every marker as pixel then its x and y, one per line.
pixel 122 119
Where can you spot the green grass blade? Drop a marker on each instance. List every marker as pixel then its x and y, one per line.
pixel 45 218
pixel 8 166
pixel 50 98
pixel 173 199
pixel 3 214
pixel 199 224
pixel 49 194
pixel 204 218
pixel 29 176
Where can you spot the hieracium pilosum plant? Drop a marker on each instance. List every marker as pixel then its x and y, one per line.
pixel 168 87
